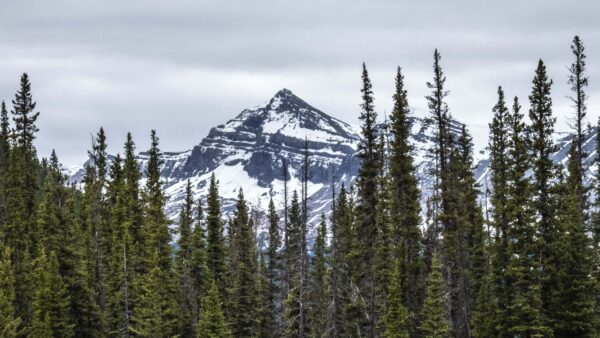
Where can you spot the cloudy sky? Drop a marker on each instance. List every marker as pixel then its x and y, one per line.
pixel 182 67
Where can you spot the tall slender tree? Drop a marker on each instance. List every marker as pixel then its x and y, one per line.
pixel 367 183
pixel 405 206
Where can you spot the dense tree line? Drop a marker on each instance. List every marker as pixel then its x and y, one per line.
pixel 100 259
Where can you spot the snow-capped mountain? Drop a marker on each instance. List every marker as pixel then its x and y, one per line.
pixel 248 152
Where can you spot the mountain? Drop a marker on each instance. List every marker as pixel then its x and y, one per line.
pixel 248 152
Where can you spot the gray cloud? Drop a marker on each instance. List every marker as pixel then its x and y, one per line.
pixel 184 66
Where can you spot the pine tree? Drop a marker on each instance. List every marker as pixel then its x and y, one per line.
pixel 397 318
pixel 244 293
pixel 405 206
pixel 51 300
pixel 367 183
pixel 215 250
pixel 434 324
pixel 212 322
pixel 319 281
pixel 8 322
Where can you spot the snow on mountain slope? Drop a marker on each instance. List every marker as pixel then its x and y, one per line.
pixel 248 152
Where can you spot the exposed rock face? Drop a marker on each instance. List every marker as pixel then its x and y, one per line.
pixel 248 152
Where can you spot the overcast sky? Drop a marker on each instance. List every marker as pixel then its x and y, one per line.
pixel 182 67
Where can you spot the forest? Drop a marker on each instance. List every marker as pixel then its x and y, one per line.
pixel 101 259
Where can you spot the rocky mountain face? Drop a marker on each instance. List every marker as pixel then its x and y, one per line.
pixel 248 153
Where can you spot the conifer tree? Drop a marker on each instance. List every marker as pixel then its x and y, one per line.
pixel 524 314
pixel 340 322
pixel 25 129
pixel 212 322
pixel 434 323
pixel 9 324
pixel 405 207
pixel 266 322
pixel 4 155
pixel 274 269
pixel 154 315
pixel 244 293
pixel 484 318
pixel 134 216
pixel 51 300
pixel 578 81
pixel 215 250
pixel 499 167
pixel 573 303
pixel 367 183
pixel 397 318
pixel 96 219
pixel 188 292
pixel 540 133
pixel 295 313
pixel 120 276
pixel 319 281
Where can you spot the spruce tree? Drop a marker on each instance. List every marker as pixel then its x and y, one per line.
pixel 274 269
pixel 523 317
pixel 51 300
pixel 9 324
pixel 215 250
pixel 578 82
pixel 397 318
pixel 4 154
pixel 154 315
pixel 540 133
pixel 341 323
pixel 212 323
pixel 244 293
pixel 405 206
pixel 120 276
pixel 484 318
pixel 319 281
pixel 367 183
pixel 188 292
pixel 264 313
pixel 295 311
pixel 434 323
pixel 573 303
pixel 499 141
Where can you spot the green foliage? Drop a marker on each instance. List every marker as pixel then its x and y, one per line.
pixel 397 318
pixel 51 300
pixel 434 323
pixel 212 322
pixel 9 324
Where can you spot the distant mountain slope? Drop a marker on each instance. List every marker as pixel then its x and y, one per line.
pixel 248 151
